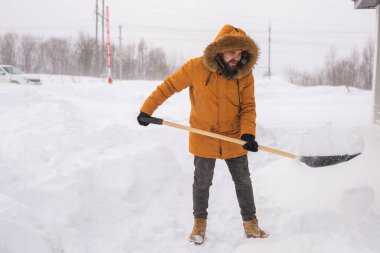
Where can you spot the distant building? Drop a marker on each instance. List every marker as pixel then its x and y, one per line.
pixel 365 4
pixel 371 4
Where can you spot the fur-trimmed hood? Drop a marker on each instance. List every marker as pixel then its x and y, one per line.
pixel 231 38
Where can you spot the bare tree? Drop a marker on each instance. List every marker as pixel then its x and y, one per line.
pixel 8 49
pixel 345 70
pixel 330 64
pixel 141 59
pixel 39 59
pixel 57 51
pixel 156 67
pixel 366 67
pixel 352 68
pixel 353 71
pixel 129 62
pixel 28 47
pixel 84 52
pixel 77 57
pixel 292 75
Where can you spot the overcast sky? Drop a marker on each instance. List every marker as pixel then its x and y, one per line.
pixel 303 31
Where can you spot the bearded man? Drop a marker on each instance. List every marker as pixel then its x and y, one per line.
pixel 221 88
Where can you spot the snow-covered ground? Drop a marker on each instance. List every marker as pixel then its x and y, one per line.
pixel 78 174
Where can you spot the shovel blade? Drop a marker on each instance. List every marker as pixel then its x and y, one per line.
pixel 321 161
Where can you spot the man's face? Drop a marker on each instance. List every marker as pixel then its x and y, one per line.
pixel 232 58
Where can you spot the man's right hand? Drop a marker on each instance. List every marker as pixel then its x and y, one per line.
pixel 142 115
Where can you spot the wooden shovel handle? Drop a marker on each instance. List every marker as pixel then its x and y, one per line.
pixel 226 138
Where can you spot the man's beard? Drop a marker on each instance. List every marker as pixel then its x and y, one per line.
pixel 230 67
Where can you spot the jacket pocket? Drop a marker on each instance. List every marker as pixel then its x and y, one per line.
pixel 200 124
pixel 230 127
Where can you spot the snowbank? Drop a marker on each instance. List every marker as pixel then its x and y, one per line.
pixel 78 174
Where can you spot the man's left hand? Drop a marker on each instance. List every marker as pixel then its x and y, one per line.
pixel 251 144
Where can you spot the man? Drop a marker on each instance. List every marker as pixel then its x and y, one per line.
pixel 222 101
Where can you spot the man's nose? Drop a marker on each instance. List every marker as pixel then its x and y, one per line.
pixel 236 56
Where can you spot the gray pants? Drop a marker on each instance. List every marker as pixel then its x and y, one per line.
pixel 203 174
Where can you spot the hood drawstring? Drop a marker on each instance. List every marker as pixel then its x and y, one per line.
pixel 208 78
pixel 238 86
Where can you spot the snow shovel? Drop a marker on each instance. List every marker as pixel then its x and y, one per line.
pixel 312 161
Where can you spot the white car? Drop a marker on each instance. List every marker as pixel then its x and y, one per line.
pixel 10 74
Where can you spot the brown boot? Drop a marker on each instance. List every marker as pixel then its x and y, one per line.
pixel 199 230
pixel 251 228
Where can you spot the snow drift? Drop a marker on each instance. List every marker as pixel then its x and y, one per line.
pixel 78 174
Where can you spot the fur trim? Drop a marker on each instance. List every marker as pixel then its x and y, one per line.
pixel 232 42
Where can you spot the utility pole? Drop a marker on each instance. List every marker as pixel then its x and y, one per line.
pixel 108 46
pixel 102 58
pixel 96 39
pixel 376 69
pixel 96 25
pixel 120 54
pixel 103 45
pixel 370 65
pixel 269 41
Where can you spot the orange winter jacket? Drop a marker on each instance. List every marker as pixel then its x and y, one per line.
pixel 218 105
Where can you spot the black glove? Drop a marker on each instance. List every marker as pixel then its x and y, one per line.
pixel 251 144
pixel 143 115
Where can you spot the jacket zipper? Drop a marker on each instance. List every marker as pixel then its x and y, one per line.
pixel 218 97
pixel 239 99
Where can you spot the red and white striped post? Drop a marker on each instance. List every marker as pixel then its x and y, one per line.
pixel 108 46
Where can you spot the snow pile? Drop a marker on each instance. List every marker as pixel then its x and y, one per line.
pixel 78 174
pixel 329 140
